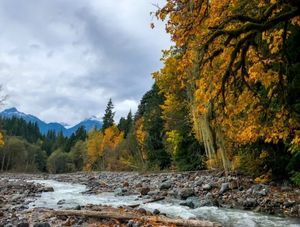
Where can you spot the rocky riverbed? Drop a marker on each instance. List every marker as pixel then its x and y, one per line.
pixel 191 189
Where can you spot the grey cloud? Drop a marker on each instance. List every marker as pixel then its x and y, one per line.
pixel 63 59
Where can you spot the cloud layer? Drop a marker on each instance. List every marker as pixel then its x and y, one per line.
pixel 61 60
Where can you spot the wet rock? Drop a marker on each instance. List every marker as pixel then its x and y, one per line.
pixel 192 202
pixel 8 225
pixel 173 193
pixel 189 204
pixel 249 203
pixel 61 202
pixel 120 191
pixel 145 190
pixel 224 188
pixel 209 200
pixel 78 207
pixel 153 193
pixel 156 212
pixel 126 184
pixel 46 189
pixel 44 224
pixel 186 192
pixel 165 185
pixel 24 224
pixel 206 187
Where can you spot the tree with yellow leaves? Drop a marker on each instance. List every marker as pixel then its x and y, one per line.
pixel 1 140
pixel 94 149
pixel 101 148
pixel 237 64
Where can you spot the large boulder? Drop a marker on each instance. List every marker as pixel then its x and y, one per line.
pixel 186 192
pixel 224 187
pixel 165 185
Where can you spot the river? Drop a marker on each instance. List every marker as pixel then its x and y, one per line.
pixel 72 195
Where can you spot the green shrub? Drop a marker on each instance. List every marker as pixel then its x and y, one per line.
pixel 60 162
pixel 295 178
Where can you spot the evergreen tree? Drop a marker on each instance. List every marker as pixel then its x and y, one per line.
pixel 108 118
pixel 150 110
pixel 122 124
pixel 125 125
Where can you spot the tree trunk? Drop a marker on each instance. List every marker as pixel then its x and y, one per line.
pixel 3 159
pixel 8 161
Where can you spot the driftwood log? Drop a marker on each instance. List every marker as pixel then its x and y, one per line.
pixel 122 216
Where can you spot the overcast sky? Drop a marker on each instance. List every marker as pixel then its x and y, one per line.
pixel 61 60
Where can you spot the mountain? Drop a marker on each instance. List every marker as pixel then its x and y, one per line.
pixel 44 127
pixel 88 124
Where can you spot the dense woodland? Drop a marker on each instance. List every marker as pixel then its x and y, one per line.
pixel 226 98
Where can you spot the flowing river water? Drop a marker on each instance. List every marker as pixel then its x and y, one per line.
pixel 72 195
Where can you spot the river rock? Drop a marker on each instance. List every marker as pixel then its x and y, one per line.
pixel 199 182
pixel 16 198
pixel 233 185
pixel 224 188
pixel 249 203
pixel 165 185
pixel 156 212
pixel 153 193
pixel 78 207
pixel 209 200
pixel 259 189
pixel 206 187
pixel 289 203
pixel 61 202
pixel 46 189
pixel 145 190
pixel 8 225
pixel 142 211
pixel 186 192
pixel 24 224
pixel 44 224
pixel 192 202
pixel 120 191
pixel 126 184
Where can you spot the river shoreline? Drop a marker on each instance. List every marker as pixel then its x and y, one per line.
pixel 192 189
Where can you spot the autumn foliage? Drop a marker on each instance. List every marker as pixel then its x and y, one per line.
pixel 233 60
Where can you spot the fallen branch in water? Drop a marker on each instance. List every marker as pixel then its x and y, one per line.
pixel 123 217
pixel 150 201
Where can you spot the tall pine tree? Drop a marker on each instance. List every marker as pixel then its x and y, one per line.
pixel 108 118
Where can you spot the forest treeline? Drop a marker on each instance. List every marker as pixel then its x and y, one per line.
pixel 226 97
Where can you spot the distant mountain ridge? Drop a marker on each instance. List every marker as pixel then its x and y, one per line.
pixel 44 127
